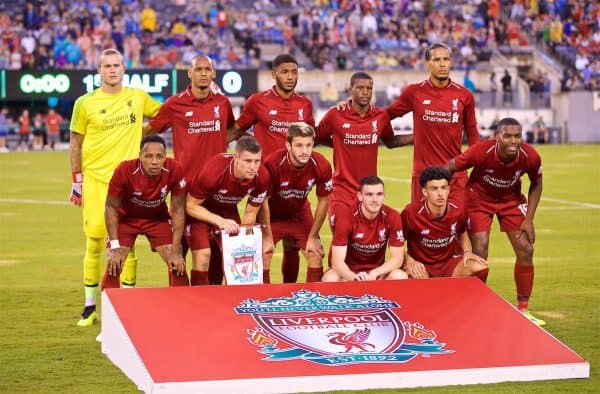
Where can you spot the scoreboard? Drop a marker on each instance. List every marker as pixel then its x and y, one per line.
pixel 24 85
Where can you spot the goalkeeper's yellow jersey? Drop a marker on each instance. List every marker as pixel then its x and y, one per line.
pixel 111 124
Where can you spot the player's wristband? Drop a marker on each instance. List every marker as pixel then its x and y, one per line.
pixel 77 177
pixel 114 244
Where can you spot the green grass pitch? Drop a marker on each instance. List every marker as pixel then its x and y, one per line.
pixel 41 295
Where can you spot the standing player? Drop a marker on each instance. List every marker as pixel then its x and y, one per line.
pixel 354 130
pixel 294 171
pixel 213 197
pixel 106 128
pixel 271 112
pixel 494 188
pixel 199 120
pixel 442 110
pixel 360 239
pixel 431 228
pixel 53 121
pixel 136 204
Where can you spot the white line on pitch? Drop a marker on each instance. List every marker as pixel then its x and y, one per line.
pixel 575 203
pixel 26 201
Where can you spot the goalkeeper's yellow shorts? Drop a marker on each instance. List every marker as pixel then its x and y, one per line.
pixel 94 198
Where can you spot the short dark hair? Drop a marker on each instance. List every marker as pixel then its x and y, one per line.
pixel 359 75
pixel 247 143
pixel 299 129
pixel 370 180
pixel 434 173
pixel 436 46
pixel 153 138
pixel 508 122
pixel 283 58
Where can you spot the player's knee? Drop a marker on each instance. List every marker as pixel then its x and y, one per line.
pixel 200 259
pixel 525 253
pixel 397 275
pixel 314 260
pixel 331 276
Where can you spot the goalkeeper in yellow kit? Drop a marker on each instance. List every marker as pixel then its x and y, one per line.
pixel 106 128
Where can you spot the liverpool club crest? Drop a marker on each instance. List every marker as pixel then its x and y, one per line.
pixel 336 330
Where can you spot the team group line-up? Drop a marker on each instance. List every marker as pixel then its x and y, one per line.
pixel 122 176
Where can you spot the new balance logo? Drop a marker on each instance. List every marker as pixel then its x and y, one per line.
pixel 359 235
pixel 273 112
pixel 283 184
pixel 426 102
pixel 222 191
pixel 137 193
pixel 489 170
pixel 189 113
pixel 346 126
pixel 425 231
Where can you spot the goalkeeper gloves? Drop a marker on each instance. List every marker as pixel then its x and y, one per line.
pixel 76 196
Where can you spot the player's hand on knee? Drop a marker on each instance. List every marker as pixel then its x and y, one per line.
pixel 76 196
pixel 177 264
pixel 528 229
pixel 470 256
pixel 314 245
pixel 416 269
pixel 115 261
pixel 361 276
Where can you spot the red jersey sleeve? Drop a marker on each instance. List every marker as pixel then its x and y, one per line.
pixel 470 121
pixel 164 118
pixel 178 181
pixel 402 105
pixel 388 131
pixel 472 156
pixel 248 116
pixel 261 188
pixel 230 117
pixel 324 176
pixel 118 181
pixel 343 230
pixel 324 132
pixel 395 226
pixel 310 119
pixel 406 221
pixel 534 163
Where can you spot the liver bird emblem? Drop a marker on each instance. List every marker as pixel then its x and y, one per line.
pixel 355 340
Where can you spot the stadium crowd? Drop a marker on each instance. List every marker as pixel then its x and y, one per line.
pixel 323 34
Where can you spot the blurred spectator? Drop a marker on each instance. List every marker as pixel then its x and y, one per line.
pixel 329 95
pixel 392 92
pixel 4 123
pixel 38 131
pixel 507 96
pixel 541 134
pixel 53 121
pixel 468 83
pixel 493 88
pixel 24 131
pixel 148 19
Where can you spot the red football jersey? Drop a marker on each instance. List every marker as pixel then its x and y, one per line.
pixel 290 186
pixel 366 239
pixel 199 127
pixel 439 117
pixel 143 196
pixel 355 145
pixel 271 116
pixel 221 191
pixel 493 179
pixel 431 239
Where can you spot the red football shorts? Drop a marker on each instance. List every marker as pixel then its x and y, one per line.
pixel 296 227
pixel 511 213
pixel 445 268
pixel 200 234
pixel 158 232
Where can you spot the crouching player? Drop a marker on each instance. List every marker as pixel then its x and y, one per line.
pixel 494 188
pixel 212 202
pixel 294 171
pixel 432 226
pixel 136 205
pixel 360 240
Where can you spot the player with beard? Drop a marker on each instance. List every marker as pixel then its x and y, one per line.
pixel 199 120
pixel 271 113
pixel 494 188
pixel 442 111
pixel 294 172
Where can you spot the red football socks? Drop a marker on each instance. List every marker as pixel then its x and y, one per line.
pixel 199 278
pixel 314 274
pixel 266 276
pixel 290 266
pixel 178 280
pixel 110 282
pixel 524 281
